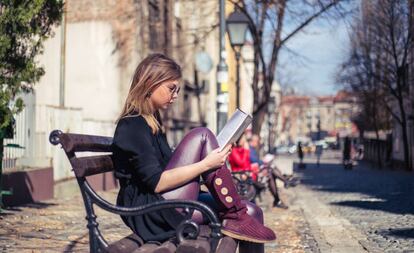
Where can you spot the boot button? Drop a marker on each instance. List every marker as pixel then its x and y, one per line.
pixel 218 181
pixel 224 191
pixel 229 199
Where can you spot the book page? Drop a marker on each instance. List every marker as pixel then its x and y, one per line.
pixel 234 128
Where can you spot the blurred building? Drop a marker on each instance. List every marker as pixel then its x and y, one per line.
pixel 345 108
pixel 89 64
pixel 291 123
pixel 306 118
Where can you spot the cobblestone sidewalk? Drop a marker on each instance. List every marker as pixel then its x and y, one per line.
pixel 373 206
pixel 59 226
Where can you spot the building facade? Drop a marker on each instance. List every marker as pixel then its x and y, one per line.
pixel 306 118
pixel 89 63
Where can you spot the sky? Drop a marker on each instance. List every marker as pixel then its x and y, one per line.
pixel 317 54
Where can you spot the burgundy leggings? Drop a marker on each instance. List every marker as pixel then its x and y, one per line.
pixel 193 148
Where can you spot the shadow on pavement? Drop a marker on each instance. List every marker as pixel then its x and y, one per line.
pixel 39 205
pixel 36 205
pixel 387 206
pixel 404 232
pixel 384 190
pixel 72 244
pixel 11 208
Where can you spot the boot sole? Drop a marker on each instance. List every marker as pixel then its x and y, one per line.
pixel 244 238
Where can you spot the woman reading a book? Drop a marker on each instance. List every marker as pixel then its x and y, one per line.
pixel 149 171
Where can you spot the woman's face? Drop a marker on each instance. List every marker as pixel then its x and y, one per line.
pixel 165 94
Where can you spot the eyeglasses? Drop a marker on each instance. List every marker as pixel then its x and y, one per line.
pixel 175 89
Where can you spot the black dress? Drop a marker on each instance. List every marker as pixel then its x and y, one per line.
pixel 139 158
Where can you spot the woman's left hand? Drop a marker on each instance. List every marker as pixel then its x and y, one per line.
pixel 217 158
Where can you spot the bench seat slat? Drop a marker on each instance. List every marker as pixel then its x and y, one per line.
pixel 146 248
pixel 167 247
pixel 126 244
pixel 91 165
pixel 228 244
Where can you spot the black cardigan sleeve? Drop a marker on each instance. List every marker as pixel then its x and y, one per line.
pixel 134 136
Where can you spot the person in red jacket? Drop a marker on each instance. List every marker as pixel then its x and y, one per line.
pixel 239 157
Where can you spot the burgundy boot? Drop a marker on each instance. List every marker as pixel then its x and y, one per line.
pixel 236 222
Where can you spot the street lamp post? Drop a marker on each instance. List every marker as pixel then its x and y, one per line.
pixel 222 73
pixel 237 75
pixel 237 25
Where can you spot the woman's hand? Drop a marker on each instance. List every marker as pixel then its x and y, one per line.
pixel 217 159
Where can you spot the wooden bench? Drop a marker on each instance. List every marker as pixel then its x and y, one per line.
pixel 190 237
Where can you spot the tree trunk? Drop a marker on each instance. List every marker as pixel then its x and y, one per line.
pixel 378 147
pixel 374 111
pixel 405 143
pixel 404 134
pixel 258 119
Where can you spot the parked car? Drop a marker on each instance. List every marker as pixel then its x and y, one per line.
pixel 322 143
pixel 293 149
pixel 307 149
pixel 282 150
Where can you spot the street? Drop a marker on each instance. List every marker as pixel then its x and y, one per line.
pixel 363 209
pixel 332 210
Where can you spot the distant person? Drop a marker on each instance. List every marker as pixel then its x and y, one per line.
pixel 239 160
pixel 254 146
pixel 337 143
pixel 318 153
pixel 239 157
pixel 360 152
pixel 300 155
pixel 346 153
pixel 272 172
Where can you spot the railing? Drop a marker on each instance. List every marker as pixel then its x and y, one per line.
pixel 374 149
pixel 30 144
pixel 15 148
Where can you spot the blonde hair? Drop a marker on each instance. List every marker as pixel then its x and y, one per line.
pixel 149 75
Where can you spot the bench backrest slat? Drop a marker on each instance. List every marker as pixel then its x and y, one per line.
pixel 80 143
pixel 86 165
pixel 91 165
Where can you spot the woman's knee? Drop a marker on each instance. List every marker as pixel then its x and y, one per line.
pixel 254 211
pixel 201 131
pixel 192 141
pixel 203 136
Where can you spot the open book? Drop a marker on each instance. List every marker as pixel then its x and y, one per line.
pixel 234 128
